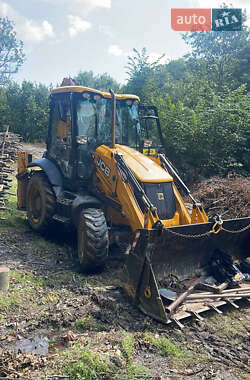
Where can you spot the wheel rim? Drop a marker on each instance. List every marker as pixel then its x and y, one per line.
pixel 35 204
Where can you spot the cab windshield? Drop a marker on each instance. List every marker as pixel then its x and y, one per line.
pixel 127 129
pixel 94 121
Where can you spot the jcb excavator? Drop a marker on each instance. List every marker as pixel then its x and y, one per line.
pixel 105 172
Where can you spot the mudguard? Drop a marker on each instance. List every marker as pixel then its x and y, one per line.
pixel 181 253
pixel 83 201
pixel 52 172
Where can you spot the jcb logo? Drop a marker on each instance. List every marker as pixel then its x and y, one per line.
pixel 104 168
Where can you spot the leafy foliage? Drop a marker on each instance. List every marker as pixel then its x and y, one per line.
pixel 28 110
pixel 11 50
pixel 4 110
pixel 202 103
pixel 222 53
pixel 141 73
pixel 213 136
pixel 102 82
pixel 202 100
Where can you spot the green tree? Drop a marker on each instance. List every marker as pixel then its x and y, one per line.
pixel 221 53
pixel 212 137
pixel 205 126
pixel 142 74
pixel 29 107
pixel 102 82
pixel 177 69
pixel 11 50
pixel 85 78
pixel 4 110
pixel 241 71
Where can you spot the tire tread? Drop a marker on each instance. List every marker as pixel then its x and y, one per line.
pixel 94 249
pixel 41 179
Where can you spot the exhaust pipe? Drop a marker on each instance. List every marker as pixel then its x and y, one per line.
pixel 113 117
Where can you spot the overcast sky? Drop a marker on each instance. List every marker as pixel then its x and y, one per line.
pixel 62 37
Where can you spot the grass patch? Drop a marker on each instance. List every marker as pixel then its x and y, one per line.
pixel 7 301
pixel 134 372
pixel 229 326
pixel 22 291
pixel 166 346
pixel 27 279
pixel 128 342
pixel 44 245
pixel 86 323
pixel 84 365
pixel 13 218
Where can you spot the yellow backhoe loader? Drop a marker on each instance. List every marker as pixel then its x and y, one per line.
pixel 105 172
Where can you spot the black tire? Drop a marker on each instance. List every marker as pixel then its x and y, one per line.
pixel 93 240
pixel 40 202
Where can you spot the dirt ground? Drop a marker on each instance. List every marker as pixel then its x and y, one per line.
pixel 35 149
pixel 56 322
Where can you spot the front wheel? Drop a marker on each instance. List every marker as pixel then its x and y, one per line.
pixel 93 239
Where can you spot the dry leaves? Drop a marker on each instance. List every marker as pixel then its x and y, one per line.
pixel 229 197
pixel 18 365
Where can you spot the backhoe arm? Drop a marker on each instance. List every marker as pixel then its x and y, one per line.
pixel 121 186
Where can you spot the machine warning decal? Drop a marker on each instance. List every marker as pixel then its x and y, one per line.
pixel 149 152
pixel 160 196
pixel 104 168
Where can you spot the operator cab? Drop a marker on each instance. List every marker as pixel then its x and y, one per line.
pixel 151 134
pixel 81 120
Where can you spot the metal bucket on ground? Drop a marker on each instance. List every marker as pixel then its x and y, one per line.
pixel 159 257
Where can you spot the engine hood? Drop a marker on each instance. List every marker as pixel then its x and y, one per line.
pixel 145 169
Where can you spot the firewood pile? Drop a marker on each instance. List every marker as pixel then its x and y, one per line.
pixel 229 197
pixel 9 146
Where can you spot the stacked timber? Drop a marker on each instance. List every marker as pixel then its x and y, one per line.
pixel 9 146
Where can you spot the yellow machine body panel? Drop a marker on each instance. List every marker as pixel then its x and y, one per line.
pixel 145 169
pixel 81 89
pixel 110 182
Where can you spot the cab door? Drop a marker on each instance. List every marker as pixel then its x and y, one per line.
pixel 151 135
pixel 60 134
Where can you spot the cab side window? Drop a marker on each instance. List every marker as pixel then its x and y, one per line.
pixel 61 122
pixel 61 135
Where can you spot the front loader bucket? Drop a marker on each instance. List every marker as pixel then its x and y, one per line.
pixel 160 257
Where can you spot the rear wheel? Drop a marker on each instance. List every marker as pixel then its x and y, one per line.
pixel 41 202
pixel 92 239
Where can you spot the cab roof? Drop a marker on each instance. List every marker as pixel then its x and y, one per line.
pixel 81 89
